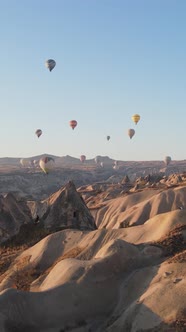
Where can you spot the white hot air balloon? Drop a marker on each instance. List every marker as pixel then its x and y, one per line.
pixel 46 164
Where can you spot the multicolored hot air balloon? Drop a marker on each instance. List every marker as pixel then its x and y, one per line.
pixel 136 118
pixel 73 124
pixel 108 137
pixel 50 64
pixel 131 133
pixel 167 160
pixel 38 132
pixel 46 164
pixel 82 158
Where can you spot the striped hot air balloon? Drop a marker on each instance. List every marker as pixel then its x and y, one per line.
pixel 73 124
pixel 136 118
pixel 82 158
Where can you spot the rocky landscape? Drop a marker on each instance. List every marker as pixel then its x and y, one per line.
pixel 93 249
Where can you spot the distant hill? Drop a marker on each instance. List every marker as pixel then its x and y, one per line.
pixel 16 161
pixel 71 160
pixel 60 161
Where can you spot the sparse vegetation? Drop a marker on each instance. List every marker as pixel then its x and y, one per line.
pixel 178 258
pixel 173 242
pixel 28 235
pixel 22 279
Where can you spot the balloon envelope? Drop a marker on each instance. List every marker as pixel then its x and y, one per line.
pixel 46 164
pixel 36 162
pixel 136 118
pixel 131 133
pixel 82 158
pixel 108 137
pixel 38 132
pixel 97 160
pixel 50 64
pixel 24 162
pixel 73 124
pixel 167 160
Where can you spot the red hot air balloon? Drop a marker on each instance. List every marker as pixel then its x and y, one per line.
pixel 73 124
pixel 82 158
pixel 38 132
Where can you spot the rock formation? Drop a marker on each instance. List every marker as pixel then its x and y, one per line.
pixel 13 214
pixel 65 209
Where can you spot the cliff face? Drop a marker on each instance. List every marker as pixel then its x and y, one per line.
pixel 13 214
pixel 63 209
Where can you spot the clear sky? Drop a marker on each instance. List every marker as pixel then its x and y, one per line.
pixel 114 58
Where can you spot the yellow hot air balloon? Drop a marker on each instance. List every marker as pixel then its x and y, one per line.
pixel 136 118
pixel 131 133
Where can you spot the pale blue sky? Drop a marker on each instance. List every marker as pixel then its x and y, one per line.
pixel 114 58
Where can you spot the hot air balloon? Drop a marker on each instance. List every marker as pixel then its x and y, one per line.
pixel 97 160
pixel 38 132
pixel 108 137
pixel 167 160
pixel 82 158
pixel 131 133
pixel 116 163
pixel 36 162
pixel 102 164
pixel 50 64
pixel 24 162
pixel 73 124
pixel 46 164
pixel 136 118
pixel 31 162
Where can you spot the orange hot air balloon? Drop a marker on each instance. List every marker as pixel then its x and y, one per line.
pixel 82 158
pixel 73 124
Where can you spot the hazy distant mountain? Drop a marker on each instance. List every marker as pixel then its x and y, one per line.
pixel 9 161
pixel 16 161
pixel 71 160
